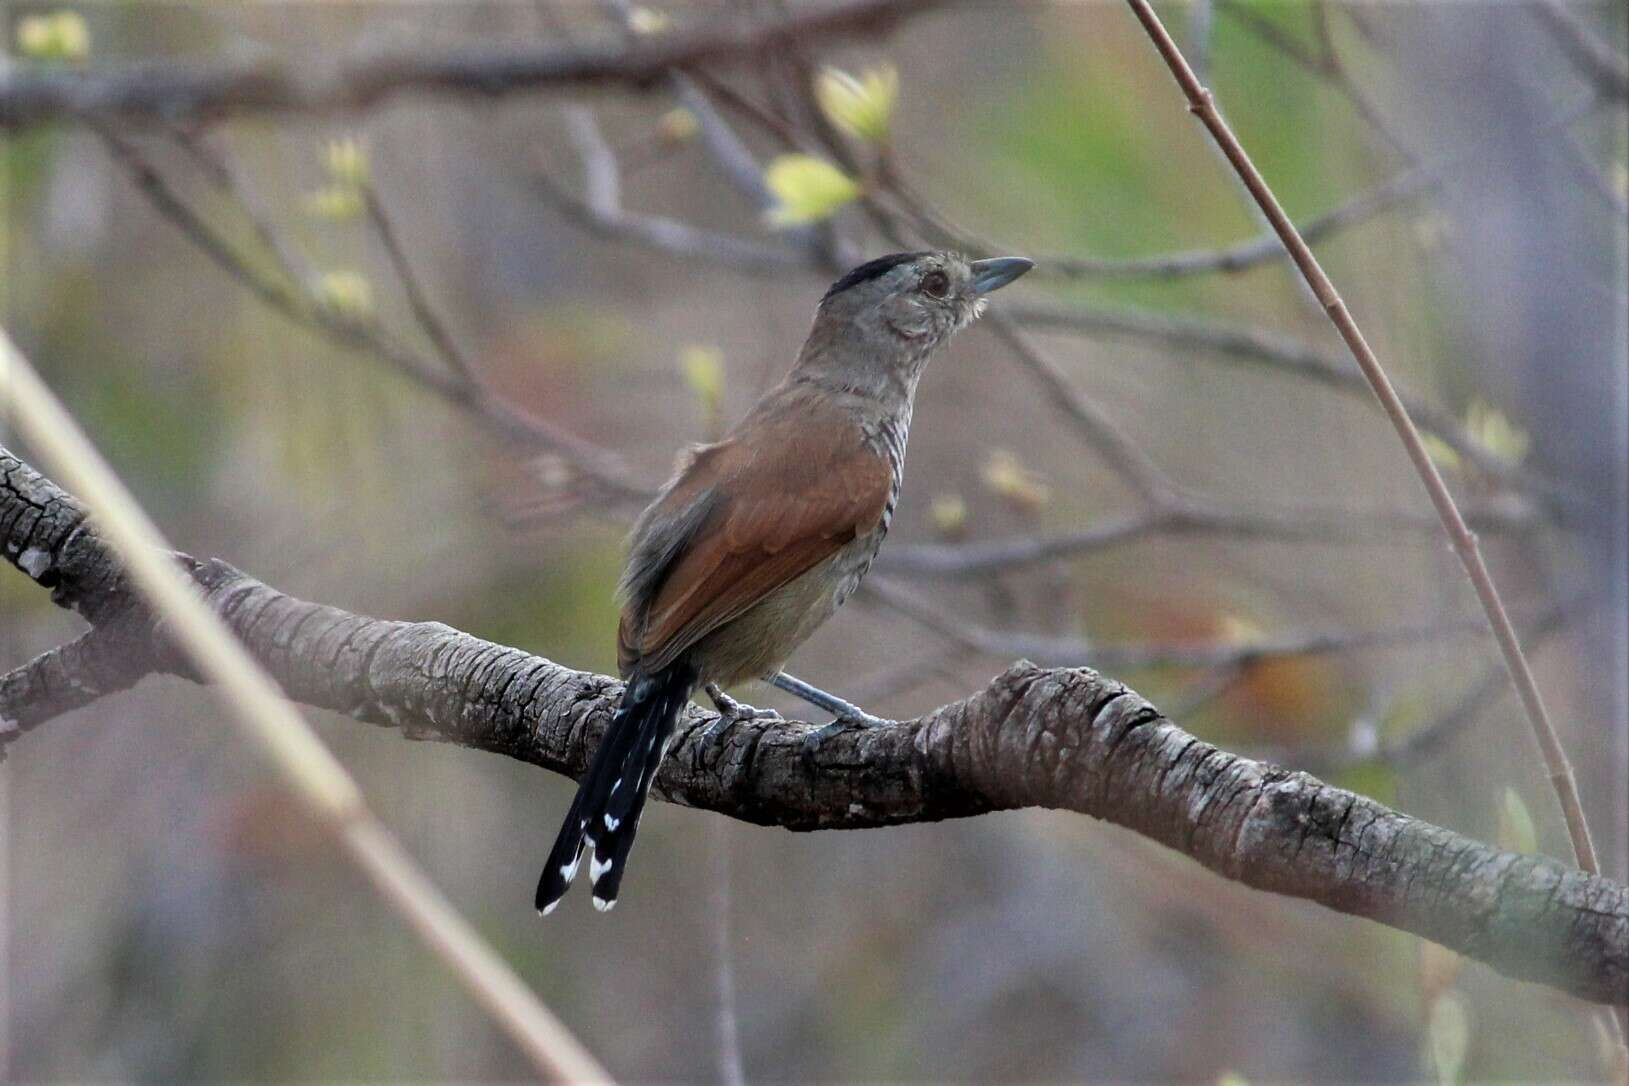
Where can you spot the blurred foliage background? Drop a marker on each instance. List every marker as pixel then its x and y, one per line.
pixel 169 918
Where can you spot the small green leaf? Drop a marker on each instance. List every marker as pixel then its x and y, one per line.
pixel 336 203
pixel 347 162
pixel 677 125
pixel 950 515
pixel 346 294
pixel 703 369
pixel 1494 431
pixel 647 21
pixel 807 189
pixel 1441 453
pixel 1007 477
pixel 57 35
pixel 1516 830
pixel 862 106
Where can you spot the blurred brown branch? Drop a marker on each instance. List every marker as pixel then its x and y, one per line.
pixel 1065 738
pixel 176 92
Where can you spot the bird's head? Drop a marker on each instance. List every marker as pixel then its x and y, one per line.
pixel 893 311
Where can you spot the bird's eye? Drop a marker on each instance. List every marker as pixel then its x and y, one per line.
pixel 935 284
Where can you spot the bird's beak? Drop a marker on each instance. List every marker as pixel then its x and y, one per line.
pixel 997 272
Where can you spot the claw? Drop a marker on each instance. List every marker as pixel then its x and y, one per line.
pixel 841 724
pixel 730 712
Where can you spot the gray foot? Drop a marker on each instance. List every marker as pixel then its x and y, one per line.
pixel 857 719
pixel 730 712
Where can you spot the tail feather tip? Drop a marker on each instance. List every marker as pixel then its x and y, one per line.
pixel 604 905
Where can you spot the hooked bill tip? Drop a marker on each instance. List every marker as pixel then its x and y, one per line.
pixel 997 272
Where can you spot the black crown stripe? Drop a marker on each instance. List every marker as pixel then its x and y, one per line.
pixel 870 270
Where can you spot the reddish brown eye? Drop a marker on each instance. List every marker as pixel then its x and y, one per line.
pixel 935 284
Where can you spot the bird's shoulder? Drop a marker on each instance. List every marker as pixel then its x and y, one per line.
pixel 796 450
pixel 791 485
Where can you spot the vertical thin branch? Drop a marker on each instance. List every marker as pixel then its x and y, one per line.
pixel 730 1070
pixel 1562 780
pixel 328 792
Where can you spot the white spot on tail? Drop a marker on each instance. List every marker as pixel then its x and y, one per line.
pixel 596 868
pixel 614 786
pixel 569 871
pixel 549 908
pixel 611 824
pixel 604 906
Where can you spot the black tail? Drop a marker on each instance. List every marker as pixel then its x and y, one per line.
pixel 611 795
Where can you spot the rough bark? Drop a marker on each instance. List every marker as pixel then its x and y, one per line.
pixel 1064 738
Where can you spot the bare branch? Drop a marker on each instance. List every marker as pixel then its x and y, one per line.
pixel 175 92
pixel 1134 465
pixel 1068 739
pixel 293 300
pixel 1598 61
pixel 600 211
pixel 418 300
pixel 1249 254
pixel 1343 527
pixel 1259 347
pixel 69 677
pixel 1076 652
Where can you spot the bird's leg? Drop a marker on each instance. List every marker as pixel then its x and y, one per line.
pixel 847 714
pixel 731 711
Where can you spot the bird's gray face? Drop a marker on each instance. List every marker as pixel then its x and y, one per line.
pixel 899 308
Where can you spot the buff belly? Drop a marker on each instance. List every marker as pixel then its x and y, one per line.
pixel 757 643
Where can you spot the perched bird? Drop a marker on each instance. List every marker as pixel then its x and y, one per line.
pixel 759 538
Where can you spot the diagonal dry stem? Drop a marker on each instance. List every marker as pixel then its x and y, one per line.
pixel 1203 106
pixel 327 791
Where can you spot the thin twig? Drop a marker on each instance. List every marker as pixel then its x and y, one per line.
pixel 1459 534
pixel 1325 65
pixel 730 1070
pixel 321 783
pixel 600 211
pixel 599 466
pixel 1052 651
pixel 1145 476
pixel 417 299
pixel 1341 527
pixel 1247 254
pixel 1260 347
pixel 1597 60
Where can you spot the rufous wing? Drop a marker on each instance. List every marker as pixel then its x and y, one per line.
pixel 785 497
